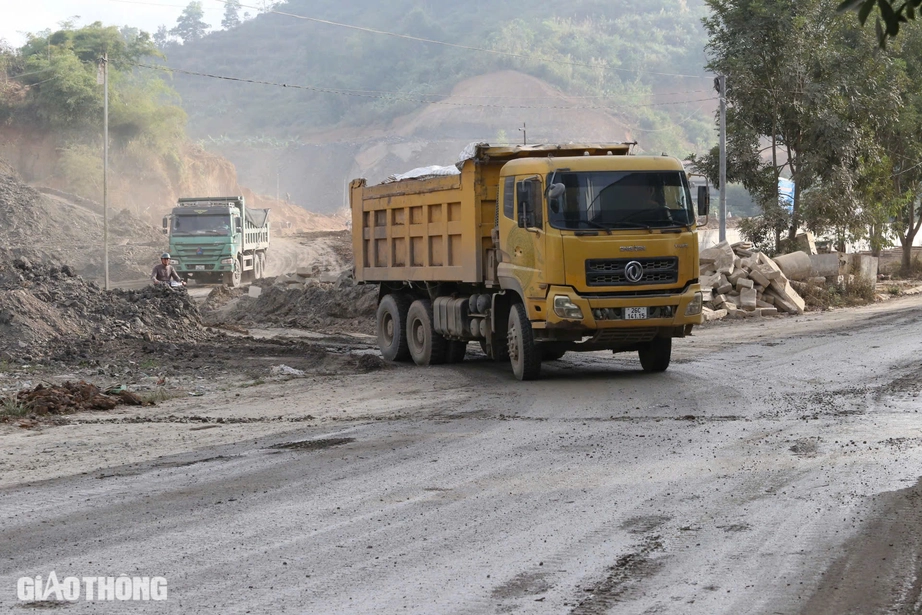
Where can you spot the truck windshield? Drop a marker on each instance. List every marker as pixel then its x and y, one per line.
pixel 201 225
pixel 619 200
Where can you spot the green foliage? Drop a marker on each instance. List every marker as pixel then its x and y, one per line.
pixel 231 14
pixel 189 25
pixel 587 48
pixel 890 15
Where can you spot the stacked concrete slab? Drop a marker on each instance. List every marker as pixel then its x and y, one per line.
pixel 739 282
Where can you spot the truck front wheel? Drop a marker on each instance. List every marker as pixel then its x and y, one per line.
pixel 392 327
pixel 524 354
pixel 654 357
pixel 427 347
pixel 233 278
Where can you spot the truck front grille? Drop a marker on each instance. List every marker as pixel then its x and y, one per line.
pixel 611 271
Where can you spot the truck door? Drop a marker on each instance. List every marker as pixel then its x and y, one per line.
pixel 526 241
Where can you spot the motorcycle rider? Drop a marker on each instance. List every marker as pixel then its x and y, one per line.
pixel 164 272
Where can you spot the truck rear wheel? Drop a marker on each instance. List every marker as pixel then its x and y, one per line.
pixel 427 347
pixel 524 354
pixel 392 327
pixel 654 357
pixel 257 267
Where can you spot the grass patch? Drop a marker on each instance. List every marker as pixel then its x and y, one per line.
pixel 856 291
pixel 10 408
pixel 158 396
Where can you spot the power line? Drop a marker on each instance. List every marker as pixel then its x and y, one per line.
pixel 397 95
pixel 467 47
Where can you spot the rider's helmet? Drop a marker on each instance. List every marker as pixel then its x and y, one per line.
pixel 165 255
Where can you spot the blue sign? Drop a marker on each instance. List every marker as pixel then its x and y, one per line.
pixel 786 194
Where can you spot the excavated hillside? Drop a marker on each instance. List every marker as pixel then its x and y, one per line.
pixel 55 229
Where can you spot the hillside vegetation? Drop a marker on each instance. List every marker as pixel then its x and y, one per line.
pixel 607 52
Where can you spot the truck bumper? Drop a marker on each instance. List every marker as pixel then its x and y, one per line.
pixel 677 311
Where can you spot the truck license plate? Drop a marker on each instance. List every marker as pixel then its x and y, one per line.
pixel 635 313
pixel 202 268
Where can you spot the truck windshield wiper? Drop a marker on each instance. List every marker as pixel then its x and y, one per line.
pixel 597 225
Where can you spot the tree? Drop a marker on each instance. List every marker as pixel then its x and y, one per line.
pixel 189 25
pixel 231 14
pixel 889 18
pixel 795 92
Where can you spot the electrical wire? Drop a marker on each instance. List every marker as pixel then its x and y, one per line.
pixel 397 95
pixel 466 47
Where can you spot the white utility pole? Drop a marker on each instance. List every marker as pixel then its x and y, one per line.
pixel 722 86
pixel 104 76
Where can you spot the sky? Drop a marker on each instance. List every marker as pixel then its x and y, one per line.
pixel 17 17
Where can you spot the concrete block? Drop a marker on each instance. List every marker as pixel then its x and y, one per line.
pixel 828 265
pixel 763 304
pixel 737 275
pixel 795 266
pixel 724 286
pixel 254 291
pixel 758 277
pixel 748 299
pixel 769 311
pixel 744 283
pixel 709 281
pixel 710 315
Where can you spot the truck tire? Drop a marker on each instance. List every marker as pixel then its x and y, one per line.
pixel 524 353
pixel 391 319
pixel 427 347
pixel 264 260
pixel 233 278
pixel 654 357
pixel 257 267
pixel 552 352
pixel 456 351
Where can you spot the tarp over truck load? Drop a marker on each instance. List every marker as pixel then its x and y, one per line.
pixel 257 217
pixel 437 229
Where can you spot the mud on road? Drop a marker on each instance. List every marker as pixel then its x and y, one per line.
pixel 768 471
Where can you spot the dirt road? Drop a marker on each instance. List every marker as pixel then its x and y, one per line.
pixel 772 469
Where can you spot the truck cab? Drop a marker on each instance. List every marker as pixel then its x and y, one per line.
pixel 600 248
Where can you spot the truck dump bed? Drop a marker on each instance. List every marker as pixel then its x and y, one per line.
pixel 438 229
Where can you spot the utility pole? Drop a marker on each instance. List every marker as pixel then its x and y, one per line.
pixel 722 88
pixel 524 134
pixel 103 77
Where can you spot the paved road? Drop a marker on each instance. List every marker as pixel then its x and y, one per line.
pixel 773 472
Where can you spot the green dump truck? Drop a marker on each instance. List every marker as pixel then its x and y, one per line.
pixel 218 239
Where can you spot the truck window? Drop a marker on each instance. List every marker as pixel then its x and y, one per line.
pixel 530 202
pixel 509 198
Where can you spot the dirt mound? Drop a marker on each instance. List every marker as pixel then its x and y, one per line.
pixel 72 397
pixel 44 309
pixel 54 228
pixel 328 307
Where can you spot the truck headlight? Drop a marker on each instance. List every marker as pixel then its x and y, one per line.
pixel 174 261
pixel 565 308
pixel 227 261
pixel 694 306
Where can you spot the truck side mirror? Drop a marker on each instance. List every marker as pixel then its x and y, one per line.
pixel 166 224
pixel 239 226
pixel 704 200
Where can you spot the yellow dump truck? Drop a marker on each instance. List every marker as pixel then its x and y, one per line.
pixel 532 251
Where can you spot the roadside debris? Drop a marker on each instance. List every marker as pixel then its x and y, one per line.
pixel 47 309
pixel 329 302
pixel 739 282
pixel 73 397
